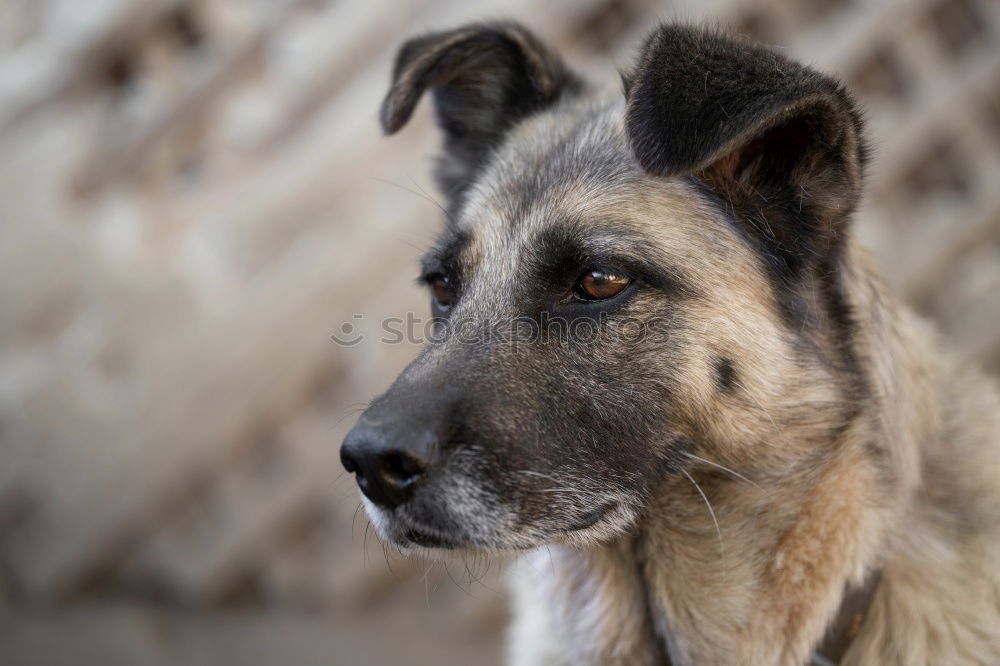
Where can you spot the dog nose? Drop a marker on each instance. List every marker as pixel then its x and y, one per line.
pixel 386 474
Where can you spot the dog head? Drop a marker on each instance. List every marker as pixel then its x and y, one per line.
pixel 624 283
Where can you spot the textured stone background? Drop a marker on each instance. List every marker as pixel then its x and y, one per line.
pixel 194 195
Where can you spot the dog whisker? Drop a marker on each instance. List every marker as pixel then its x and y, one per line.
pixel 427 591
pixel 711 511
pixel 422 194
pixel 727 469
pixel 466 591
pixel 365 545
pixel 551 562
pixel 354 519
pixel 431 198
pixel 347 413
pixel 385 554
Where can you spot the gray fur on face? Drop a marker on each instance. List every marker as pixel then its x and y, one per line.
pixel 557 441
pixel 569 436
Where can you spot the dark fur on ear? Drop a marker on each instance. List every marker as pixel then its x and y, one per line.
pixel 778 142
pixel 485 78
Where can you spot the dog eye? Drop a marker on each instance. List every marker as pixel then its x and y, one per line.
pixel 441 290
pixel 600 285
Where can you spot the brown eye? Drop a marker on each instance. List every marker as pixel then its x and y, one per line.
pixel 441 289
pixel 599 285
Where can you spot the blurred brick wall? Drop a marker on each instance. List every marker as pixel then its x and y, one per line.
pixel 194 195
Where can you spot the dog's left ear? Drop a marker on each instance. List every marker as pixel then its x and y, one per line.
pixel 780 143
pixel 485 77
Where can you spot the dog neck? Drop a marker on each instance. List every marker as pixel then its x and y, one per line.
pixel 675 593
pixel 746 567
pixel 756 579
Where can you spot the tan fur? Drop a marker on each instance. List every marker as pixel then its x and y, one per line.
pixel 807 520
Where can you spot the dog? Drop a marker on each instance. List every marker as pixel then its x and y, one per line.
pixel 665 374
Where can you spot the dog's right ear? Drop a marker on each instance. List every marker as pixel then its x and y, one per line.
pixel 485 78
pixel 780 143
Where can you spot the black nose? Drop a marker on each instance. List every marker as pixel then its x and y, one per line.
pixel 387 474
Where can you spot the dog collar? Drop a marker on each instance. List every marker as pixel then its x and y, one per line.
pixel 845 627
